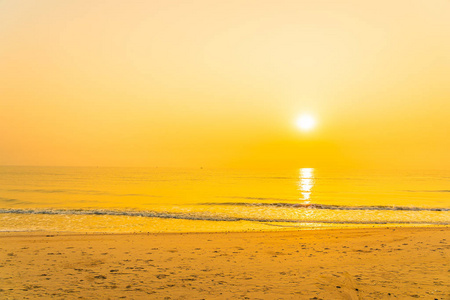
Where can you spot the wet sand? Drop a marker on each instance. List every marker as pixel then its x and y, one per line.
pixel 393 263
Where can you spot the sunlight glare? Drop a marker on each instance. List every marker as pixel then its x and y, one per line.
pixel 306 183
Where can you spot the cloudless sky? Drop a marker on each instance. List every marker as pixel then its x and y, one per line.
pixel 221 83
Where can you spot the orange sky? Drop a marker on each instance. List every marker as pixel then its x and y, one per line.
pixel 220 83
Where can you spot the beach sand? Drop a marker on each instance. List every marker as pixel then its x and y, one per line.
pixel 389 263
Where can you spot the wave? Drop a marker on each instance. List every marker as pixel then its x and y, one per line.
pixel 428 191
pixel 330 207
pixel 78 192
pixel 13 201
pixel 195 216
pixel 8 199
pixel 255 198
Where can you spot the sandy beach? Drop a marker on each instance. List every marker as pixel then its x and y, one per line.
pixel 391 263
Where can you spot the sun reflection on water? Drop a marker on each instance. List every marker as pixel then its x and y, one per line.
pixel 306 184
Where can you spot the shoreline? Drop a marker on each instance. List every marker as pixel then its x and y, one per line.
pixel 362 263
pixel 23 233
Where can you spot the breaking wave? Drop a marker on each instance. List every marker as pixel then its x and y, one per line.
pixel 196 216
pixel 330 207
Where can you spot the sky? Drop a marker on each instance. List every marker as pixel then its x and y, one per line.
pixel 221 83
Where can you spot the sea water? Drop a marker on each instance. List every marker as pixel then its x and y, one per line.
pixel 90 199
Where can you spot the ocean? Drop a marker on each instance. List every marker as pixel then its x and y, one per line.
pixel 90 199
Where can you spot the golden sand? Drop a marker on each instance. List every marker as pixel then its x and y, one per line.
pixel 400 263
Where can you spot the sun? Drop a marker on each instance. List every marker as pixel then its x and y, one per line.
pixel 306 122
